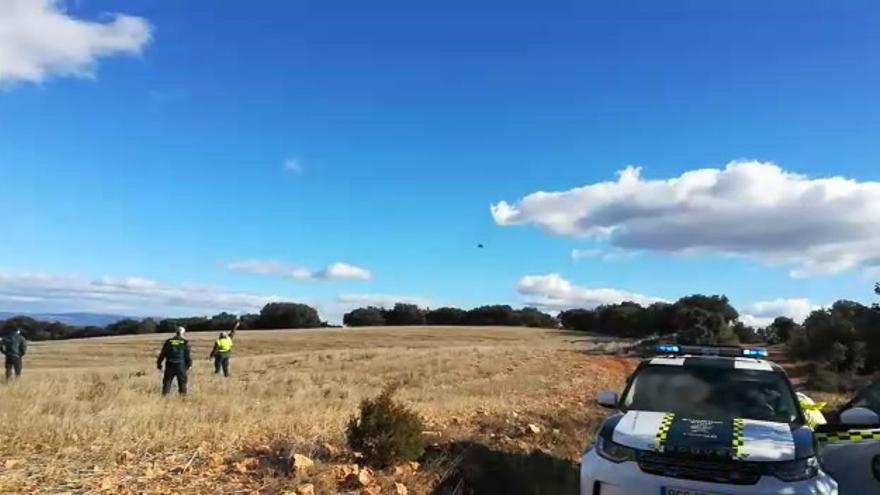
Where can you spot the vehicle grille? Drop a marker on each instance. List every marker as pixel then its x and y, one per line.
pixel 721 471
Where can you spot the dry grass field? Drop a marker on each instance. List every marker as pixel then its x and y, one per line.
pixel 87 416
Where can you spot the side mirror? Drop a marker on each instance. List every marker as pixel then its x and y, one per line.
pixel 860 416
pixel 608 399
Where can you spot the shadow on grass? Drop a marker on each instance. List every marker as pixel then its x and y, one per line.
pixel 474 469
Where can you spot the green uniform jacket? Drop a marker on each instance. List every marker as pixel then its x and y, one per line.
pixel 13 346
pixel 175 351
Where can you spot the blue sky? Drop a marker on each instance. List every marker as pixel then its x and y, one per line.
pixel 143 152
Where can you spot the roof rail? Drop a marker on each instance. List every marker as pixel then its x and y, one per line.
pixel 708 350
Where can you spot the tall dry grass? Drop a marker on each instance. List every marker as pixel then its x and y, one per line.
pixel 88 402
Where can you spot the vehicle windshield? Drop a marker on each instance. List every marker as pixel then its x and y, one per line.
pixel 712 393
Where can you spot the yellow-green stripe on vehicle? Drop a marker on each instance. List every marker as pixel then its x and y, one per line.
pixel 663 432
pixel 848 436
pixel 738 438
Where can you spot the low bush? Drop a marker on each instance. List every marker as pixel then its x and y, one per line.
pixel 385 431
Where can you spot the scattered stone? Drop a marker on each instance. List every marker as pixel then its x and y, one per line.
pixel 246 464
pixel 405 469
pixel 372 490
pixel 215 460
pixel 365 477
pixel 11 463
pixel 361 479
pixel 263 450
pixel 533 429
pixel 400 489
pixel 305 489
pixel 343 471
pixel 301 464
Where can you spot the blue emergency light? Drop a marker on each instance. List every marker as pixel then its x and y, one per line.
pixel 727 351
pixel 671 349
pixel 755 352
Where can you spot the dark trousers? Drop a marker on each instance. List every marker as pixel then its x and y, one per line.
pixel 174 371
pixel 13 364
pixel 221 361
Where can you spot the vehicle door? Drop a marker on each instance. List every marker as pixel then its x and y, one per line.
pixel 849 445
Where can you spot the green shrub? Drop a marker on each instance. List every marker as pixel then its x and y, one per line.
pixel 385 431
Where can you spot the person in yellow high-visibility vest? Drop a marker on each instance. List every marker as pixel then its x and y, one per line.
pixel 221 351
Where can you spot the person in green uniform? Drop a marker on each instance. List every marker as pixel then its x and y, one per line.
pixel 176 356
pixel 14 347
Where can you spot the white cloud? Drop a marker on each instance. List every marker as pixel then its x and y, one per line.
pixel 579 254
pixel 293 165
pixel 38 39
pixel 133 295
pixel 341 271
pixel 761 314
pixel 379 300
pixel 553 292
pixel 749 208
pixel 336 271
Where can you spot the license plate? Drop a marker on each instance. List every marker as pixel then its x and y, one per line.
pixel 685 491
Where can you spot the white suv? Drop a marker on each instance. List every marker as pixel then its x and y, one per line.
pixel 705 421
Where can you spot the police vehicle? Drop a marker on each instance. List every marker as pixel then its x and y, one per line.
pixel 705 421
pixel 849 445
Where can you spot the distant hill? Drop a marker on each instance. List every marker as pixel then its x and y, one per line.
pixel 76 319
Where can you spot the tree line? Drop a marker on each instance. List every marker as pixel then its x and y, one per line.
pixel 273 316
pixel 696 319
pixel 410 314
pixel 844 338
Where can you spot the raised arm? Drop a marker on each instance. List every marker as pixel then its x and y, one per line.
pixel 232 332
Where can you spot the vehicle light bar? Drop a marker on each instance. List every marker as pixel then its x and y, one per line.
pixel 711 351
pixel 670 349
pixel 755 352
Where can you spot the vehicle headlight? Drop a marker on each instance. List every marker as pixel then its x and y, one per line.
pixel 614 452
pixel 797 470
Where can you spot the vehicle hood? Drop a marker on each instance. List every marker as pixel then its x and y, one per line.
pixel 735 438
